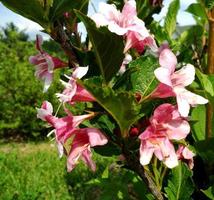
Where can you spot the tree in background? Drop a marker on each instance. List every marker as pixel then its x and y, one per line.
pixel 19 89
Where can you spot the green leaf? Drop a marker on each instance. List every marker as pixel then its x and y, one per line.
pixel 209 192
pixel 121 105
pixel 144 80
pixel 62 6
pixel 159 33
pixel 198 115
pixel 36 10
pixel 105 173
pixel 180 185
pixel 197 9
pixel 205 82
pixel 205 150
pixel 170 20
pixel 121 81
pixel 108 47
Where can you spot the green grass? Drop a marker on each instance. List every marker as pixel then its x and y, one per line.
pixel 34 171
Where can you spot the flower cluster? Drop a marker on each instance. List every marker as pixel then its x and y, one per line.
pixel 168 122
pixel 125 23
pixel 67 128
pixel 168 126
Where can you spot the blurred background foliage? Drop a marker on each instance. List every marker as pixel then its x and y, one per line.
pixel 20 91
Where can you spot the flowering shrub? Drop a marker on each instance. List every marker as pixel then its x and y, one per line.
pixel 137 97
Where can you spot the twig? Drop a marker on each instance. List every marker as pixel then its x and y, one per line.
pixel 210 70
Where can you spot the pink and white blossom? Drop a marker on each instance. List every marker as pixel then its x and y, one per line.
pixel 184 153
pixel 73 91
pixel 158 144
pixel 45 64
pixel 173 82
pixel 84 139
pixel 166 124
pixel 63 127
pixel 125 23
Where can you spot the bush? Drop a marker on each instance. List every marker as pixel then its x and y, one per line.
pixel 20 92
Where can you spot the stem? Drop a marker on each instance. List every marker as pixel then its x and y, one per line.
pixel 134 165
pixel 59 35
pixel 162 175
pixel 210 70
pixel 156 173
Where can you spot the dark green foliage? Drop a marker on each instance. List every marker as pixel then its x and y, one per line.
pixel 198 116
pixel 170 20
pixel 144 80
pixel 180 185
pixel 108 47
pixel 61 6
pixel 205 150
pixel 122 106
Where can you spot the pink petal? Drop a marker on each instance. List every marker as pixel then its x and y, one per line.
pixel 183 105
pixel 163 75
pixel 115 28
pixel 93 136
pixel 96 137
pixel 45 110
pixel 184 153
pixel 69 91
pixel 129 9
pixel 66 126
pixel 193 99
pixel 186 98
pixel 146 152
pixel 60 148
pixel 86 157
pixel 33 60
pixel 168 60
pixel 99 20
pixel 187 154
pixel 109 11
pixel 168 152
pixel 163 113
pixel 147 133
pixel 178 129
pixel 48 80
pixel 82 95
pixel 58 63
pixel 184 76
pixel 79 72
pixel 74 156
pixel 163 91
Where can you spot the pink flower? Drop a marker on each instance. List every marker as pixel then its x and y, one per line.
pixel 166 124
pixel 184 153
pixel 83 140
pixel 73 91
pixel 125 23
pixel 63 127
pixel 173 82
pixel 45 64
pixel 153 143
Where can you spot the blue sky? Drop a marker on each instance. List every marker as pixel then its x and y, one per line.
pixel 32 28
